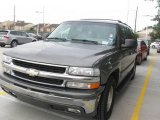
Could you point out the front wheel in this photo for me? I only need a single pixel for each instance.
(106, 102)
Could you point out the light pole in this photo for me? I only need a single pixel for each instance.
(135, 27)
(128, 5)
(39, 12)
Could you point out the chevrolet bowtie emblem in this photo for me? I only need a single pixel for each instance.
(32, 72)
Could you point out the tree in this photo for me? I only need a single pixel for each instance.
(156, 28)
(156, 32)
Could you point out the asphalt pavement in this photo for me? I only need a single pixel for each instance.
(139, 100)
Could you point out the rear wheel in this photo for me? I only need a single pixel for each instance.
(106, 103)
(153, 46)
(3, 45)
(14, 43)
(139, 59)
(146, 57)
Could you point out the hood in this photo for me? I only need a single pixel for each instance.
(60, 53)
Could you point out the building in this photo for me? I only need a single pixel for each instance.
(22, 26)
(52, 27)
(46, 28)
(0, 25)
(28, 26)
(145, 33)
(7, 25)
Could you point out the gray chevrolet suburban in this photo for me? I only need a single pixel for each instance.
(77, 69)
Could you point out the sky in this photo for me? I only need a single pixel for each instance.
(57, 11)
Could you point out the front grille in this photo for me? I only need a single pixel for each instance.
(41, 67)
(38, 80)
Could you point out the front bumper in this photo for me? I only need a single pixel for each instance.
(83, 101)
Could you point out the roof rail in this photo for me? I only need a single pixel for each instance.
(104, 19)
(110, 20)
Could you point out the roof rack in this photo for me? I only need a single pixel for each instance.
(104, 19)
(108, 19)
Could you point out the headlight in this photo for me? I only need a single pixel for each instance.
(79, 85)
(6, 59)
(84, 71)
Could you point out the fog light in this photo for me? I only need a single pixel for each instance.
(74, 110)
(7, 70)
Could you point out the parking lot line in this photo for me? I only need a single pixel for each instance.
(2, 93)
(135, 115)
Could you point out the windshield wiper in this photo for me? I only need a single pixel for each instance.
(57, 38)
(84, 40)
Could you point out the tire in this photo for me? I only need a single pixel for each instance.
(14, 43)
(133, 71)
(2, 45)
(153, 46)
(107, 100)
(146, 58)
(148, 52)
(139, 60)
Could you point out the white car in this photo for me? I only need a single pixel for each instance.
(154, 44)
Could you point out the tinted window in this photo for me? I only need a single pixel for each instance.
(3, 32)
(19, 33)
(129, 33)
(126, 33)
(123, 32)
(13, 33)
(23, 34)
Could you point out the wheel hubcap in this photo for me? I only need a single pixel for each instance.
(14, 44)
(110, 98)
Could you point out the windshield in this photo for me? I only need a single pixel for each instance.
(101, 33)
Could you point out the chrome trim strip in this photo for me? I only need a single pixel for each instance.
(32, 81)
(65, 77)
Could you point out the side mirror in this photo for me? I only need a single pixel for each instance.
(130, 43)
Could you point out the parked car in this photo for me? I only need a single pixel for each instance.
(45, 35)
(158, 48)
(77, 69)
(38, 37)
(154, 44)
(142, 52)
(148, 43)
(14, 38)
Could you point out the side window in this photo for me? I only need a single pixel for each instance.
(129, 33)
(122, 34)
(23, 34)
(19, 33)
(13, 33)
